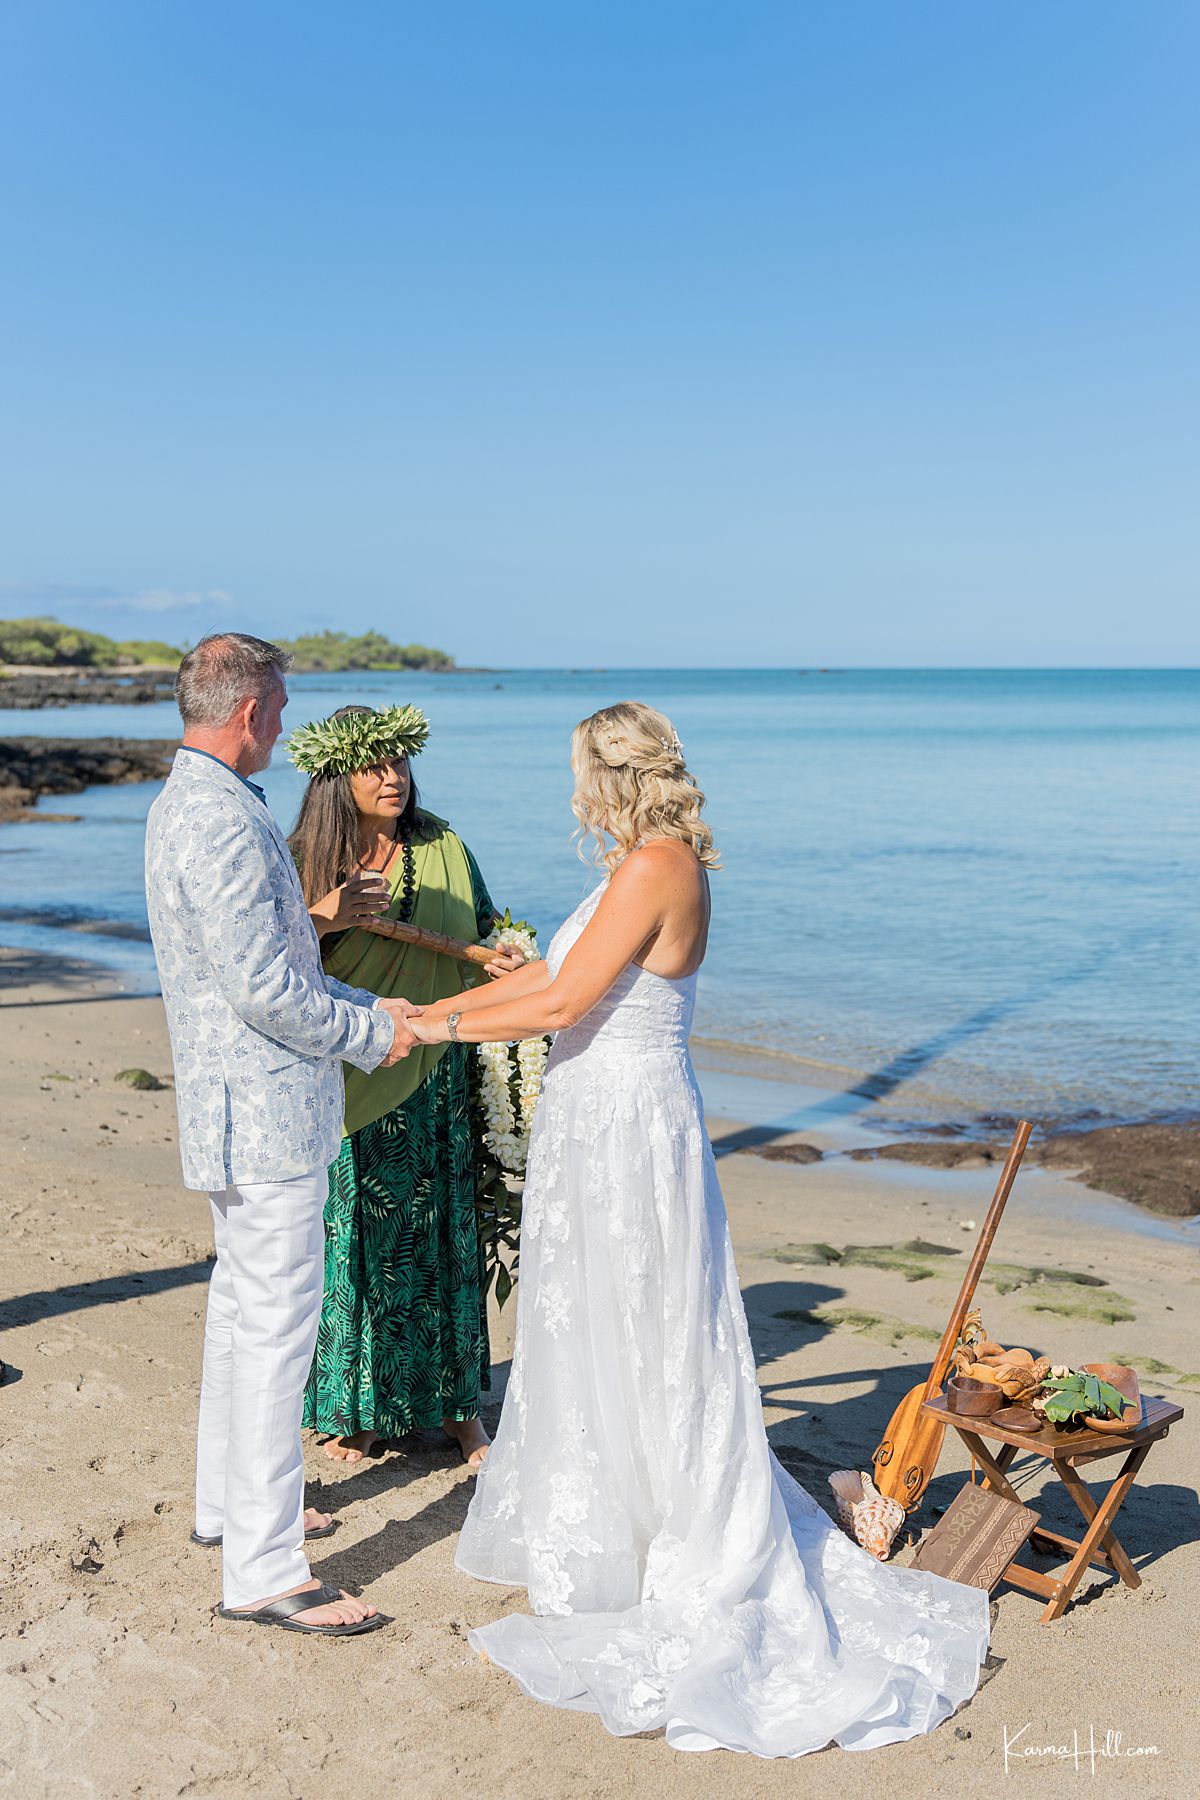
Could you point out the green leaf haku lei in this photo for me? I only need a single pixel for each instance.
(358, 740)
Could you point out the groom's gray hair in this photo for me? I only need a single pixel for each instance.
(222, 671)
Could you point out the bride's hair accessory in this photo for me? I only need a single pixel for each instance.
(632, 784)
(358, 740)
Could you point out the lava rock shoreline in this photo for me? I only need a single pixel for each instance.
(33, 766)
(59, 687)
(1153, 1162)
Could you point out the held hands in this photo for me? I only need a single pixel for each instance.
(402, 1014)
(364, 895)
(435, 1031)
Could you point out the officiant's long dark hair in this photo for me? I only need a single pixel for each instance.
(324, 840)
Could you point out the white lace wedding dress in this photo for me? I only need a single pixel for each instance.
(681, 1579)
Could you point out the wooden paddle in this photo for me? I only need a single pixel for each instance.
(907, 1455)
(430, 940)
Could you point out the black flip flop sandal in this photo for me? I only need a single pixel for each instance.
(320, 1531)
(280, 1612)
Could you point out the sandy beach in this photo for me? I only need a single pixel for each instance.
(116, 1680)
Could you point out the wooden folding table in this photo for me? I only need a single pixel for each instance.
(1065, 1451)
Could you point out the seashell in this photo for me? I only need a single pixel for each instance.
(848, 1493)
(872, 1519)
(877, 1519)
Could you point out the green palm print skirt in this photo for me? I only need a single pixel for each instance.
(403, 1337)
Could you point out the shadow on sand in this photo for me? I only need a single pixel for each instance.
(71, 976)
(78, 1296)
(820, 1434)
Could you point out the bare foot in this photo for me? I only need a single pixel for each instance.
(471, 1439)
(350, 1449)
(316, 1521)
(346, 1611)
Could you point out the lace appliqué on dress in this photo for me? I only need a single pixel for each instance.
(679, 1578)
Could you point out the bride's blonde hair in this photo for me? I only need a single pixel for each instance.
(631, 783)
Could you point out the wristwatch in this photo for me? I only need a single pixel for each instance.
(452, 1026)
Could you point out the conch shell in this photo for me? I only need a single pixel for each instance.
(870, 1518)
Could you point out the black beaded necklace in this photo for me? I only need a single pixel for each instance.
(408, 880)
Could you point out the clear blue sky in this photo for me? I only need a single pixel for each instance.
(759, 333)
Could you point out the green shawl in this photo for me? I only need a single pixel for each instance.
(444, 902)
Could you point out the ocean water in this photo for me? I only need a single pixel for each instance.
(965, 892)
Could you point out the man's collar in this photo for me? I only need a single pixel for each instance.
(193, 750)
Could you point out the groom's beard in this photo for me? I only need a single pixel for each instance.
(263, 752)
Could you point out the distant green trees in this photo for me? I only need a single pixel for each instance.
(49, 644)
(148, 650)
(331, 650)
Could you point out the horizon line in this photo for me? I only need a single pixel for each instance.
(841, 668)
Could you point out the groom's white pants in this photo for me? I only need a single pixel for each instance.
(264, 1305)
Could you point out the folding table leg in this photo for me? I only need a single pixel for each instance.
(993, 1467)
(1077, 1488)
(1099, 1543)
(1099, 1532)
(995, 1478)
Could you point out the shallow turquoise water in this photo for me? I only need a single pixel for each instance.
(975, 885)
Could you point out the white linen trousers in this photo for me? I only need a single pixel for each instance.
(264, 1305)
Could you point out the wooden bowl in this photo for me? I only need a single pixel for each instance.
(973, 1399)
(1125, 1381)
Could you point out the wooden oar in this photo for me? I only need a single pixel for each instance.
(912, 1443)
(430, 940)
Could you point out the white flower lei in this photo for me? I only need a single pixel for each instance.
(508, 1128)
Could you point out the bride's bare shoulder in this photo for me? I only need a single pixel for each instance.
(662, 861)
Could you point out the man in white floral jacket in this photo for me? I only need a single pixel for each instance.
(257, 1032)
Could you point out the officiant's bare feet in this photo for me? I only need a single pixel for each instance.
(471, 1439)
(346, 1611)
(351, 1449)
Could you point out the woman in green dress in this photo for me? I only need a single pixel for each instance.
(403, 1338)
